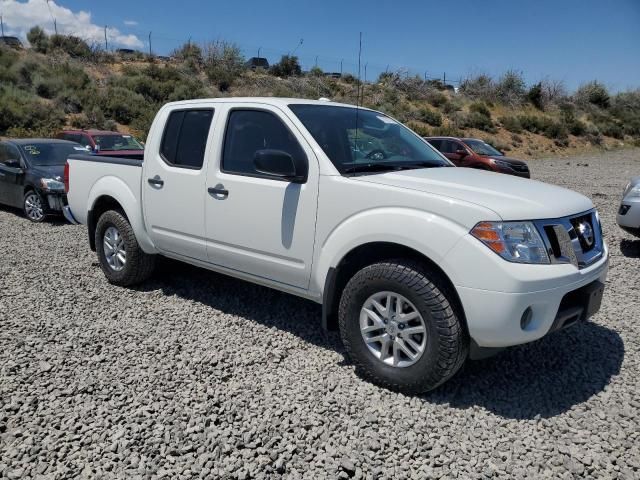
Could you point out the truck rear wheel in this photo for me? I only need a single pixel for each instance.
(121, 258)
(400, 328)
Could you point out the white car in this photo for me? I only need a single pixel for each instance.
(629, 212)
(420, 265)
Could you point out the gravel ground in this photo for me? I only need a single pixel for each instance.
(198, 375)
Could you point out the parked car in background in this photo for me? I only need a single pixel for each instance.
(629, 212)
(105, 142)
(419, 264)
(31, 175)
(474, 153)
(11, 42)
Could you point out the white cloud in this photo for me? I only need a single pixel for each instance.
(19, 17)
(130, 23)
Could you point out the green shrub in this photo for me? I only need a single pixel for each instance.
(223, 64)
(447, 131)
(480, 87)
(534, 123)
(535, 96)
(576, 127)
(436, 98)
(611, 129)
(419, 129)
(73, 46)
(287, 66)
(479, 121)
(429, 116)
(481, 108)
(38, 39)
(511, 88)
(555, 130)
(122, 105)
(594, 93)
(316, 72)
(511, 124)
(23, 110)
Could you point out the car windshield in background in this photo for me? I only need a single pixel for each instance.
(378, 144)
(117, 142)
(40, 154)
(482, 148)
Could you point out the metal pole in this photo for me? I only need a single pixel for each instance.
(341, 66)
(2, 24)
(150, 54)
(316, 64)
(444, 78)
(365, 72)
(55, 26)
(259, 48)
(106, 43)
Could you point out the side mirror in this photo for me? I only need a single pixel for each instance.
(96, 149)
(13, 163)
(279, 164)
(462, 152)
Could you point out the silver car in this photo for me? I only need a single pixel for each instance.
(629, 212)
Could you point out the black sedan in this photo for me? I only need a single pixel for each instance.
(31, 175)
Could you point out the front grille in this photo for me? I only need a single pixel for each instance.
(576, 239)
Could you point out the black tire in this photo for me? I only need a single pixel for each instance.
(29, 209)
(138, 266)
(447, 341)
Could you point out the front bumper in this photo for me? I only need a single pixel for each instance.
(66, 211)
(55, 200)
(628, 217)
(494, 317)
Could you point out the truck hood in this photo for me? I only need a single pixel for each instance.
(512, 198)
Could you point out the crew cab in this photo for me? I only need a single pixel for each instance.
(419, 264)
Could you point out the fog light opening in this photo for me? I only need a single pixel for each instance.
(526, 318)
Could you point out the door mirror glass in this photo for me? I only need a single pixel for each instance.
(12, 163)
(277, 163)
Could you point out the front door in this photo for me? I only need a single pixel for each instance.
(256, 223)
(11, 175)
(174, 183)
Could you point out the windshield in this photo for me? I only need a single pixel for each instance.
(378, 144)
(117, 142)
(41, 154)
(482, 148)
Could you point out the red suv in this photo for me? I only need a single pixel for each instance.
(474, 153)
(105, 142)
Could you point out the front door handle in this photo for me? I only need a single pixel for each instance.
(218, 191)
(156, 181)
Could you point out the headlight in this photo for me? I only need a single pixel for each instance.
(51, 184)
(501, 163)
(633, 191)
(517, 242)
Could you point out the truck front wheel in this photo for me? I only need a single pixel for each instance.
(400, 328)
(121, 258)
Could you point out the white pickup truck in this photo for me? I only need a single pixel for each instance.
(420, 264)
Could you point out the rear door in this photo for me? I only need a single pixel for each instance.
(174, 182)
(256, 223)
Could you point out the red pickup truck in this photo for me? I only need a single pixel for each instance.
(105, 142)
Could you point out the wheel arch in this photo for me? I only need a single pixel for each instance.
(367, 254)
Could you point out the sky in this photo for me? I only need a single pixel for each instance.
(574, 41)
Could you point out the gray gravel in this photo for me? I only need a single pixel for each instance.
(198, 375)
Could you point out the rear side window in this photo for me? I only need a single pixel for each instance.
(251, 130)
(185, 138)
(437, 144)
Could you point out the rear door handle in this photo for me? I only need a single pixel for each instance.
(218, 191)
(156, 181)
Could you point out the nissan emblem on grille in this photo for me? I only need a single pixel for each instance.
(586, 233)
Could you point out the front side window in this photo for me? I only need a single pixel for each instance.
(185, 138)
(359, 140)
(249, 131)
